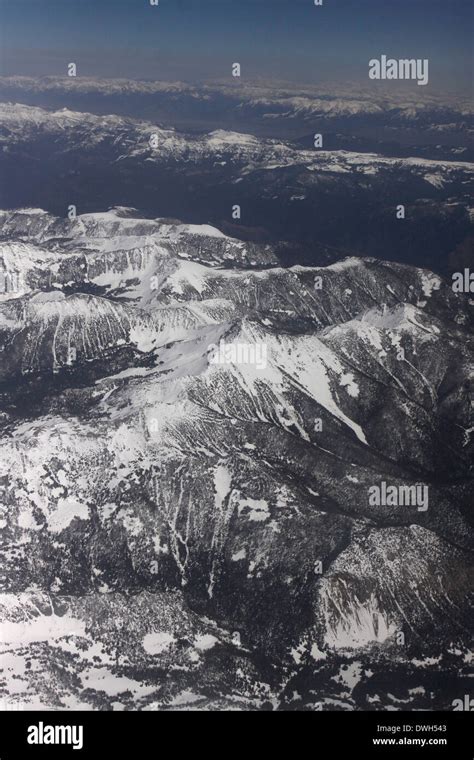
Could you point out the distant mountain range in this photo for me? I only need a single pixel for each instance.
(238, 100)
(312, 200)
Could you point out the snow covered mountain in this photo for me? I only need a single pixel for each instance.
(21, 123)
(260, 189)
(169, 506)
(240, 101)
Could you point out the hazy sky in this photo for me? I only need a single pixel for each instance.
(199, 39)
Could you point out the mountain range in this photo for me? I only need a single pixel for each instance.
(182, 533)
(304, 202)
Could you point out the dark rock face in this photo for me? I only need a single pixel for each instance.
(183, 532)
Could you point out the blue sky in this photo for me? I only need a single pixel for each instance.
(199, 39)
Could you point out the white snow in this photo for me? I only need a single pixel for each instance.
(157, 643)
(67, 511)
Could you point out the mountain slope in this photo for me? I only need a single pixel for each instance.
(187, 422)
